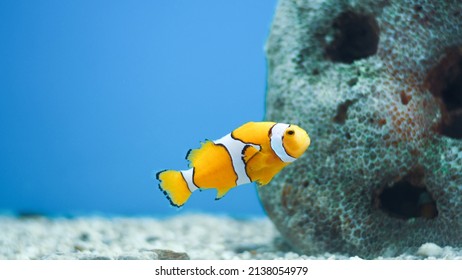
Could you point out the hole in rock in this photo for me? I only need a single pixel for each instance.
(404, 200)
(445, 83)
(342, 111)
(405, 98)
(356, 36)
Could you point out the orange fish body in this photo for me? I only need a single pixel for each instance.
(254, 152)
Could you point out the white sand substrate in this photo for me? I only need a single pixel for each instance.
(200, 236)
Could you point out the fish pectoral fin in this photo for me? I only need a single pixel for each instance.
(266, 175)
(263, 182)
(257, 162)
(249, 152)
(221, 193)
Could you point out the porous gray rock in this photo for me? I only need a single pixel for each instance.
(378, 86)
(170, 255)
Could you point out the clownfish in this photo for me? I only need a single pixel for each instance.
(254, 152)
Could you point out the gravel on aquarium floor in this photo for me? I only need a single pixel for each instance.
(186, 236)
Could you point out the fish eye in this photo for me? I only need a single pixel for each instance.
(290, 132)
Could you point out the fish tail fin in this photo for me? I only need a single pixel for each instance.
(174, 186)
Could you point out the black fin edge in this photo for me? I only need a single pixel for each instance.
(168, 197)
(158, 173)
(164, 191)
(187, 154)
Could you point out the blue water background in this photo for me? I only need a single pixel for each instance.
(95, 96)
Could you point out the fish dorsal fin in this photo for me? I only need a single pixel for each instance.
(249, 152)
(193, 154)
